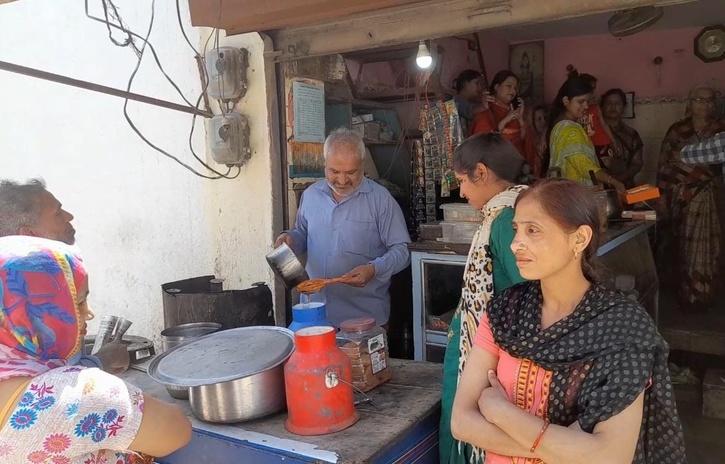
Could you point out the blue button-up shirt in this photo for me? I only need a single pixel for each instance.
(366, 227)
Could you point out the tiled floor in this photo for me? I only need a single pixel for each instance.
(704, 437)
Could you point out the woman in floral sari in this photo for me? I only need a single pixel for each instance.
(52, 410)
(691, 234)
(486, 166)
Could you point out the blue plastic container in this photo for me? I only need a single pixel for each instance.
(308, 315)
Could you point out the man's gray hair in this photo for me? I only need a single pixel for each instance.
(18, 206)
(344, 136)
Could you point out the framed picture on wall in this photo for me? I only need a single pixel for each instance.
(527, 61)
(629, 106)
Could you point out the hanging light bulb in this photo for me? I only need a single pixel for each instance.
(423, 59)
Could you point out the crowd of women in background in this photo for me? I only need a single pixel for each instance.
(579, 136)
(583, 138)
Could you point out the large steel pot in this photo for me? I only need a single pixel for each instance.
(243, 399)
(178, 334)
(233, 375)
(285, 264)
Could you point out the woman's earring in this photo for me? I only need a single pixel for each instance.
(576, 254)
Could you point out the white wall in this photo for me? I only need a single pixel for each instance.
(653, 118)
(142, 220)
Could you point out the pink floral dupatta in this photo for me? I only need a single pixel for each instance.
(39, 321)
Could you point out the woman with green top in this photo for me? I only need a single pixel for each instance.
(572, 154)
(486, 166)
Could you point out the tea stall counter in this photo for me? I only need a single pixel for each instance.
(437, 270)
(400, 426)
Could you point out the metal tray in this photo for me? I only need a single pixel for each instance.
(139, 348)
(223, 356)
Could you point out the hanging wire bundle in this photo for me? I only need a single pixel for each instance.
(114, 22)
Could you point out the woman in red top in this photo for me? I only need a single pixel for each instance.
(505, 112)
(593, 121)
(536, 143)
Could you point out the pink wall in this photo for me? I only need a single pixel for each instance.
(495, 52)
(627, 63)
(456, 57)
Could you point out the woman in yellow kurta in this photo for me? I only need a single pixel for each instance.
(572, 153)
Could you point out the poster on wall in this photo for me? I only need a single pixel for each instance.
(308, 103)
(526, 60)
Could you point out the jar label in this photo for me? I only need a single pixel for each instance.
(378, 361)
(140, 354)
(376, 343)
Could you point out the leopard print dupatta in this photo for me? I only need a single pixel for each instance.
(477, 288)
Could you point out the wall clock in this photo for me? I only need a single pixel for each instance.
(710, 44)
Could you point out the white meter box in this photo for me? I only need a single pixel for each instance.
(226, 68)
(228, 137)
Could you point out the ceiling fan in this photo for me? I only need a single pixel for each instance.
(634, 20)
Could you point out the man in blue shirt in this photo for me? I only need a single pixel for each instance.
(350, 226)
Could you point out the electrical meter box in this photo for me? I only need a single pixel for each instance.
(228, 138)
(226, 68)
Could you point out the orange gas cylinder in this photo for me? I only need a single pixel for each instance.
(318, 382)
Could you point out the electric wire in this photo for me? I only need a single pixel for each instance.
(146, 42)
(130, 42)
(138, 132)
(117, 17)
(183, 31)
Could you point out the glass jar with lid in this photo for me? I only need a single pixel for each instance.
(366, 345)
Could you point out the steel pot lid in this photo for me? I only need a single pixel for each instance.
(223, 356)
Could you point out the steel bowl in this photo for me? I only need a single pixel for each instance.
(242, 399)
(287, 266)
(178, 334)
(609, 205)
(614, 204)
(233, 375)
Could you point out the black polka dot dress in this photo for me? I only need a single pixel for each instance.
(602, 356)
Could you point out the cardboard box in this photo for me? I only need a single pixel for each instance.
(647, 215)
(642, 193)
(361, 118)
(369, 131)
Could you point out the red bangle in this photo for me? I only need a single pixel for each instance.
(539, 437)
